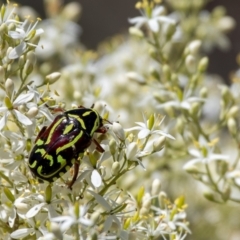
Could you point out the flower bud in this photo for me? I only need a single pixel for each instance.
(226, 94)
(3, 29)
(52, 78)
(210, 196)
(232, 126)
(28, 145)
(156, 187)
(162, 197)
(190, 168)
(150, 121)
(136, 77)
(21, 62)
(194, 110)
(171, 29)
(147, 202)
(203, 92)
(9, 194)
(118, 130)
(144, 211)
(48, 194)
(127, 223)
(136, 32)
(8, 103)
(31, 56)
(131, 151)
(166, 70)
(226, 193)
(32, 112)
(28, 67)
(76, 209)
(2, 73)
(203, 64)
(140, 194)
(158, 144)
(190, 63)
(112, 146)
(232, 113)
(222, 167)
(72, 11)
(225, 24)
(9, 86)
(115, 168)
(194, 47)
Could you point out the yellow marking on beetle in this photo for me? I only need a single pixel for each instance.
(70, 144)
(52, 131)
(39, 142)
(33, 165)
(39, 170)
(87, 113)
(50, 158)
(61, 160)
(45, 155)
(68, 129)
(79, 119)
(41, 150)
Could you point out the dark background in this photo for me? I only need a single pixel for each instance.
(104, 18)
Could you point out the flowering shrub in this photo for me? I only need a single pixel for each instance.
(157, 76)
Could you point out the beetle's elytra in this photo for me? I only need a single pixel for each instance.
(59, 146)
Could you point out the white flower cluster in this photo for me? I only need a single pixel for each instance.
(95, 207)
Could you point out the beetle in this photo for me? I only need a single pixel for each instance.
(61, 144)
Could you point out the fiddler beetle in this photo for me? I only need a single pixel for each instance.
(61, 145)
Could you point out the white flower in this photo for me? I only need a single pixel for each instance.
(7, 15)
(66, 222)
(134, 154)
(153, 21)
(24, 32)
(36, 226)
(49, 206)
(21, 99)
(204, 154)
(145, 130)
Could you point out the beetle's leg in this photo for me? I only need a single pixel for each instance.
(40, 133)
(98, 146)
(75, 174)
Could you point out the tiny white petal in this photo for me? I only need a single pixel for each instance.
(22, 118)
(131, 151)
(101, 200)
(67, 224)
(143, 133)
(108, 223)
(35, 210)
(3, 121)
(23, 98)
(12, 217)
(21, 233)
(96, 178)
(154, 25)
(17, 51)
(85, 222)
